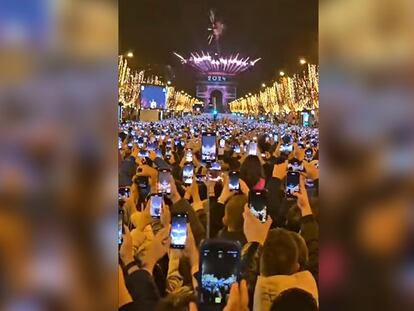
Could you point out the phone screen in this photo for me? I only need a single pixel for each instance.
(309, 154)
(156, 205)
(258, 204)
(292, 183)
(237, 148)
(253, 148)
(164, 177)
(189, 155)
(143, 153)
(222, 143)
(295, 166)
(219, 267)
(123, 193)
(208, 147)
(120, 225)
(234, 183)
(158, 152)
(188, 173)
(286, 148)
(178, 232)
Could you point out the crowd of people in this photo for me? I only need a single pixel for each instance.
(250, 236)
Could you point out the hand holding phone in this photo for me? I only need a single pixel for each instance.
(219, 268)
(178, 233)
(156, 202)
(234, 181)
(258, 204)
(164, 178)
(292, 184)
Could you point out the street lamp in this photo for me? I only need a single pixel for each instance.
(281, 73)
(182, 92)
(250, 94)
(302, 61)
(263, 85)
(169, 82)
(130, 54)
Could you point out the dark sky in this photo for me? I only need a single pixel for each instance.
(279, 31)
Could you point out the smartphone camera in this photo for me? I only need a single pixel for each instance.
(258, 204)
(178, 233)
(188, 173)
(252, 148)
(219, 268)
(292, 184)
(124, 193)
(164, 178)
(208, 147)
(234, 182)
(156, 205)
(188, 155)
(120, 226)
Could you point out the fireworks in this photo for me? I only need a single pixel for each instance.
(285, 95)
(216, 29)
(206, 63)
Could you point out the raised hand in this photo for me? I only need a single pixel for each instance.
(254, 230)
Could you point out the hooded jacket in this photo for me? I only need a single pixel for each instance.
(268, 288)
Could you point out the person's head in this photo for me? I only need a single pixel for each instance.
(293, 218)
(303, 252)
(294, 299)
(280, 254)
(251, 171)
(233, 213)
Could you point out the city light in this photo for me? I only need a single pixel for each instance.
(130, 54)
(302, 61)
(263, 85)
(169, 82)
(281, 73)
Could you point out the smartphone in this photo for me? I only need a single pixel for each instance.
(208, 147)
(258, 204)
(120, 225)
(164, 178)
(200, 178)
(156, 205)
(143, 153)
(222, 143)
(295, 165)
(237, 149)
(309, 154)
(286, 148)
(158, 152)
(252, 148)
(234, 182)
(188, 173)
(189, 155)
(292, 184)
(214, 173)
(178, 233)
(219, 268)
(123, 193)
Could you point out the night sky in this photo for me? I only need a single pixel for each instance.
(279, 31)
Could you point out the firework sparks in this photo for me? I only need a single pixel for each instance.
(206, 63)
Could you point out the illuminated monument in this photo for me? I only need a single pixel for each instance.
(216, 84)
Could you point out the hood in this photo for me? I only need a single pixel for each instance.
(268, 288)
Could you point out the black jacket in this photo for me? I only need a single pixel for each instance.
(143, 291)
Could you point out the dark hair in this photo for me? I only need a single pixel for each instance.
(303, 252)
(280, 253)
(234, 210)
(293, 218)
(294, 299)
(251, 171)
